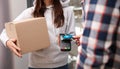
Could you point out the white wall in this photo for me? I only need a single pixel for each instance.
(5, 54)
(16, 7)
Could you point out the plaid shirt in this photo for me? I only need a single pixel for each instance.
(100, 41)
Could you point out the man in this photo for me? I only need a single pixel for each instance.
(100, 42)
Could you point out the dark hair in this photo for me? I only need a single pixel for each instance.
(40, 9)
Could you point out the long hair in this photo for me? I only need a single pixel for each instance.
(40, 9)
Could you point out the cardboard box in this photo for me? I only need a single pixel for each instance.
(31, 34)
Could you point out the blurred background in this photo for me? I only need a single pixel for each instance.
(10, 9)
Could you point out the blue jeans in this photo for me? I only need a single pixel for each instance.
(62, 67)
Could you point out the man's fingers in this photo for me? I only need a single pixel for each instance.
(76, 37)
(78, 43)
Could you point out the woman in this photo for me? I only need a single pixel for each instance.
(60, 19)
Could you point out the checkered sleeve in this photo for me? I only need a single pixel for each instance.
(101, 35)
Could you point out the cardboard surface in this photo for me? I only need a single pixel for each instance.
(31, 34)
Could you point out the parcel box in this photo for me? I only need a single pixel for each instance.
(31, 34)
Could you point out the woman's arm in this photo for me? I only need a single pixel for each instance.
(4, 37)
(11, 43)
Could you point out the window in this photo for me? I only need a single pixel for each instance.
(76, 4)
(77, 9)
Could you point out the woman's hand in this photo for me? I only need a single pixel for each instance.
(77, 39)
(58, 40)
(11, 44)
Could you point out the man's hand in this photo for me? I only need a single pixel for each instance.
(77, 39)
